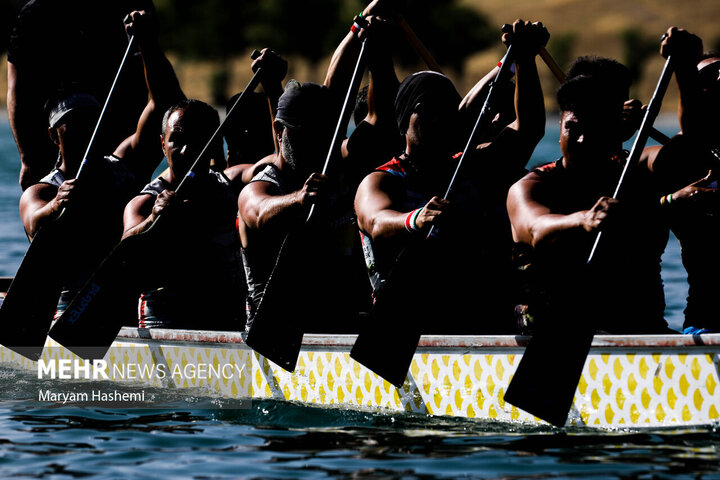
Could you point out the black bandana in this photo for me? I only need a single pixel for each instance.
(423, 87)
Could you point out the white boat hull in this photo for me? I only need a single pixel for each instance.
(627, 381)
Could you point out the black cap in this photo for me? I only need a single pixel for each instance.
(304, 104)
(423, 87)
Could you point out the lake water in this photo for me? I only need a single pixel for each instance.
(189, 437)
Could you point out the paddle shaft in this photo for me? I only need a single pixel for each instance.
(504, 68)
(347, 109)
(642, 136)
(251, 86)
(552, 65)
(276, 143)
(107, 102)
(417, 45)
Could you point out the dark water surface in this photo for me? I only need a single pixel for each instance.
(196, 437)
(281, 440)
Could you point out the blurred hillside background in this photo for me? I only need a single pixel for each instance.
(209, 41)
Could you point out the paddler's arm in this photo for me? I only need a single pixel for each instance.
(472, 103)
(261, 207)
(675, 169)
(676, 185)
(42, 203)
(275, 68)
(142, 151)
(535, 224)
(25, 89)
(240, 175)
(342, 63)
(685, 50)
(142, 211)
(28, 124)
(383, 82)
(379, 217)
(518, 140)
(382, 89)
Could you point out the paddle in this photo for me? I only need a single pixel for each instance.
(94, 317)
(423, 52)
(31, 301)
(273, 333)
(547, 376)
(390, 356)
(417, 45)
(505, 66)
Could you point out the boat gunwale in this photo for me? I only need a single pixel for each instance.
(426, 341)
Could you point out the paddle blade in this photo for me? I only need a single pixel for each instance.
(105, 304)
(275, 332)
(31, 301)
(388, 356)
(279, 342)
(388, 341)
(547, 377)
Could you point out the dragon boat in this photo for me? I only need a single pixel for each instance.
(628, 381)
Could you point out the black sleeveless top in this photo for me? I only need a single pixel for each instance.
(621, 290)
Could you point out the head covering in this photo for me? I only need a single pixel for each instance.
(586, 93)
(423, 87)
(613, 75)
(76, 101)
(304, 104)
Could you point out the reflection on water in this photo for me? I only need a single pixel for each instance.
(188, 436)
(273, 440)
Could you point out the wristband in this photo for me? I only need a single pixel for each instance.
(413, 225)
(410, 224)
(358, 23)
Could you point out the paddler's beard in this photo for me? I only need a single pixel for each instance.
(288, 154)
(302, 158)
(298, 172)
